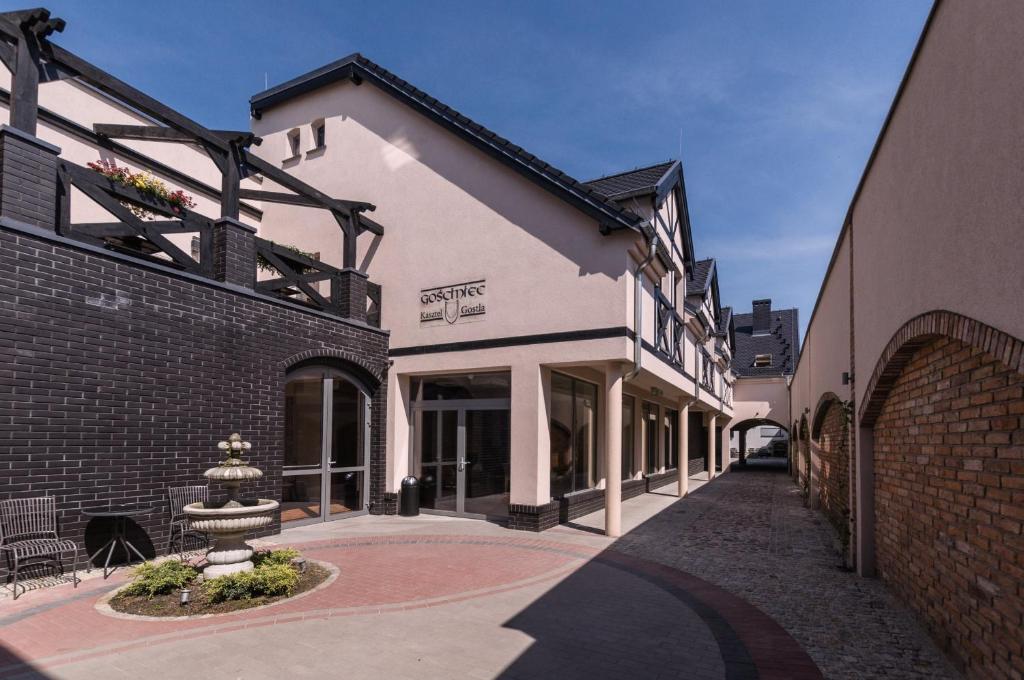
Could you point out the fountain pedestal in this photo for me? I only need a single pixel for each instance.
(229, 523)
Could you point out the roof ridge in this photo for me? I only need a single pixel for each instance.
(670, 161)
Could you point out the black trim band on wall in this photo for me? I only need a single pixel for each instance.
(514, 341)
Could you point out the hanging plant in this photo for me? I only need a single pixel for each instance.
(146, 184)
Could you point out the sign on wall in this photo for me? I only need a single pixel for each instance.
(456, 303)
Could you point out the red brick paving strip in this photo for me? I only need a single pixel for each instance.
(65, 627)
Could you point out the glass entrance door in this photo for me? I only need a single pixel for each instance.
(463, 458)
(439, 453)
(462, 443)
(487, 443)
(326, 447)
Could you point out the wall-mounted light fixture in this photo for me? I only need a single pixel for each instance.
(846, 377)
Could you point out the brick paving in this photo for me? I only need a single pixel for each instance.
(443, 598)
(749, 533)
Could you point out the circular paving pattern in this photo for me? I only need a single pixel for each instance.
(429, 606)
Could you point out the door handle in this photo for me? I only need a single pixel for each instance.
(462, 464)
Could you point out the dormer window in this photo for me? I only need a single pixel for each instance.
(763, 361)
(319, 134)
(294, 143)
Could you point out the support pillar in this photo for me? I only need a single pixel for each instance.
(613, 451)
(743, 446)
(683, 464)
(28, 178)
(726, 456)
(711, 445)
(530, 504)
(348, 294)
(234, 252)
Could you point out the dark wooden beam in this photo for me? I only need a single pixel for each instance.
(298, 186)
(230, 180)
(25, 81)
(122, 229)
(365, 223)
(156, 133)
(8, 55)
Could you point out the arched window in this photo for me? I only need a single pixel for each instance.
(326, 445)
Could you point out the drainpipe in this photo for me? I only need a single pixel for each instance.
(638, 306)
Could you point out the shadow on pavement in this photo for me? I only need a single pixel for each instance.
(620, 616)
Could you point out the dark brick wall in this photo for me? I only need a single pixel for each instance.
(533, 517)
(696, 466)
(949, 501)
(117, 380)
(28, 178)
(662, 479)
(234, 250)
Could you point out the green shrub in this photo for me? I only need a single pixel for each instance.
(283, 556)
(266, 580)
(160, 579)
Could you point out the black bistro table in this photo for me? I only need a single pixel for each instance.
(120, 514)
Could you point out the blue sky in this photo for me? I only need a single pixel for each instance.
(775, 105)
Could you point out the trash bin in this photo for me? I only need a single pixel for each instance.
(409, 504)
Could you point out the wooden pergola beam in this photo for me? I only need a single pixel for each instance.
(156, 133)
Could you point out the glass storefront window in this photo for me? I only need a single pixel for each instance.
(628, 462)
(671, 439)
(573, 432)
(651, 437)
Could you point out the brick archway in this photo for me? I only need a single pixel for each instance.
(918, 332)
(944, 420)
(830, 438)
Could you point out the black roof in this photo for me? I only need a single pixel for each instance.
(631, 183)
(357, 68)
(701, 277)
(782, 342)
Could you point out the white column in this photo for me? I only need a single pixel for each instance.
(531, 444)
(397, 459)
(683, 464)
(711, 445)
(613, 451)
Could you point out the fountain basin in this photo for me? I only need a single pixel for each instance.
(228, 525)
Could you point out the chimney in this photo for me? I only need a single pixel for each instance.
(762, 316)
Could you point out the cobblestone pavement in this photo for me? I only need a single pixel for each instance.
(749, 533)
(433, 597)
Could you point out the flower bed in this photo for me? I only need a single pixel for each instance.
(156, 588)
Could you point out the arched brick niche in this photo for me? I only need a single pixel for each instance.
(947, 409)
(830, 434)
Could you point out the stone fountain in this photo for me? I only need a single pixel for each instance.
(228, 523)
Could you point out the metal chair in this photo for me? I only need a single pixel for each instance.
(28, 535)
(177, 498)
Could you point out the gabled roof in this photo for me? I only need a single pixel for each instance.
(358, 69)
(701, 277)
(782, 342)
(638, 182)
(724, 321)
